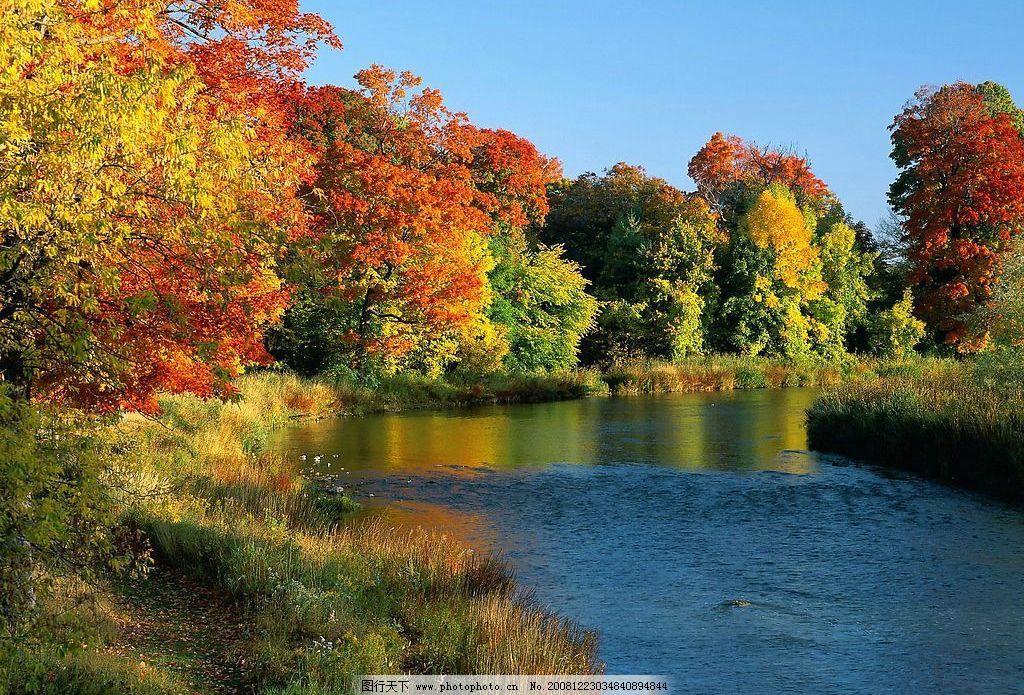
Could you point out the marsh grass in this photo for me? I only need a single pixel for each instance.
(412, 391)
(938, 418)
(724, 373)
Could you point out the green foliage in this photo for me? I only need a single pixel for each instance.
(650, 251)
(55, 513)
(1002, 363)
(895, 332)
(598, 218)
(998, 100)
(540, 300)
(749, 321)
(311, 337)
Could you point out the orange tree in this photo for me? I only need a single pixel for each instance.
(395, 268)
(147, 184)
(407, 205)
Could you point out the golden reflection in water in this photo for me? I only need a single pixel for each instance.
(719, 431)
(464, 528)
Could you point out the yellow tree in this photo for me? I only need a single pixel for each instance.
(776, 223)
(775, 270)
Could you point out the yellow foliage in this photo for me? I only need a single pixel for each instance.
(775, 222)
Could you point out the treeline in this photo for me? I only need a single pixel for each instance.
(762, 259)
(178, 205)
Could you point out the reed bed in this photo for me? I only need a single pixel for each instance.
(724, 373)
(935, 418)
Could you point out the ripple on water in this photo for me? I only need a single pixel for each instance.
(701, 539)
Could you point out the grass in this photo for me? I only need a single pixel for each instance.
(412, 391)
(725, 373)
(933, 417)
(321, 600)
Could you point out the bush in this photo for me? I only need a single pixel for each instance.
(894, 333)
(54, 511)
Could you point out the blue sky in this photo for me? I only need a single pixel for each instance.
(594, 83)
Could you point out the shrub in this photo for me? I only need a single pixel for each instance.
(894, 333)
(54, 510)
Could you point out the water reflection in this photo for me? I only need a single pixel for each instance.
(722, 431)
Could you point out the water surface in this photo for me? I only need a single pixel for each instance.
(697, 534)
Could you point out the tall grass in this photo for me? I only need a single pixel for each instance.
(724, 373)
(411, 391)
(324, 600)
(935, 418)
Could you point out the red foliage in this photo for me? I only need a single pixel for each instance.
(189, 307)
(962, 196)
(511, 170)
(724, 160)
(397, 207)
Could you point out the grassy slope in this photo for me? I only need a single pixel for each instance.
(321, 603)
(933, 418)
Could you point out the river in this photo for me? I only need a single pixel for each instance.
(701, 539)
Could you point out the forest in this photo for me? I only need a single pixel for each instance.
(198, 246)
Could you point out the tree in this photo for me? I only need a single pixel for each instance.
(772, 271)
(398, 258)
(649, 250)
(845, 270)
(960, 195)
(726, 163)
(141, 210)
(541, 302)
(590, 216)
(895, 332)
(675, 267)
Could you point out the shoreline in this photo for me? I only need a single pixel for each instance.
(942, 425)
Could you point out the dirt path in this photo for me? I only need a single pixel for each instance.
(172, 623)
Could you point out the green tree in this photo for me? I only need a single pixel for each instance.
(649, 250)
(540, 299)
(845, 271)
(895, 332)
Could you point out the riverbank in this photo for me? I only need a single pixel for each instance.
(320, 602)
(202, 497)
(712, 373)
(727, 373)
(937, 419)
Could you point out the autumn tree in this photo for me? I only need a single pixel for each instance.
(960, 196)
(793, 273)
(142, 203)
(726, 166)
(649, 249)
(772, 271)
(396, 268)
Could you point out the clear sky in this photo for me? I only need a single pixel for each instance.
(596, 82)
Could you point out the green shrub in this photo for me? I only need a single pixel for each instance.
(55, 514)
